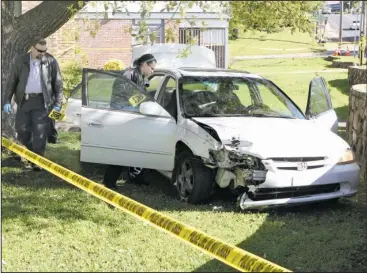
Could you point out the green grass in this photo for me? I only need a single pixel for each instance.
(284, 42)
(49, 225)
(296, 85)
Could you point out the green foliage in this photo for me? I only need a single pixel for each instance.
(114, 65)
(71, 72)
(273, 16)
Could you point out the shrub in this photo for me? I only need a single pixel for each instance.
(71, 72)
(114, 65)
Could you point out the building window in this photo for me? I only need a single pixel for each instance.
(186, 34)
(155, 27)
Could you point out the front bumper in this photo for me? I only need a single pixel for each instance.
(346, 176)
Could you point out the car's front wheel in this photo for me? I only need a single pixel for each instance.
(194, 181)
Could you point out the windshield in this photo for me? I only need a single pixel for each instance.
(234, 96)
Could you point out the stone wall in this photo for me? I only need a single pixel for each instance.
(357, 125)
(357, 75)
(342, 64)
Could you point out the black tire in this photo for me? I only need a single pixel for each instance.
(201, 181)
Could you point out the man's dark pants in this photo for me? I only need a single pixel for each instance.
(32, 124)
(52, 135)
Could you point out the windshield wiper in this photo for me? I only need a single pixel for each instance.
(205, 116)
(271, 116)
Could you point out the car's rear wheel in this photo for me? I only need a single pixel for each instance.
(194, 181)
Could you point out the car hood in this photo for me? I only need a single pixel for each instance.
(276, 137)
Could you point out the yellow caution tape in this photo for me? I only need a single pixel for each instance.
(137, 99)
(228, 254)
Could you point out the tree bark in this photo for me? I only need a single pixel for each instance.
(18, 34)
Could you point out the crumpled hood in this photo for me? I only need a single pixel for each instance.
(277, 137)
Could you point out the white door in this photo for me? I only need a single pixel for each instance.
(319, 106)
(114, 131)
(74, 105)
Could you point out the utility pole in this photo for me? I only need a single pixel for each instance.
(365, 17)
(341, 25)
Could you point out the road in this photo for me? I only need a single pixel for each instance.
(332, 29)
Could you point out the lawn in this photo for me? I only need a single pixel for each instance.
(284, 42)
(294, 75)
(49, 225)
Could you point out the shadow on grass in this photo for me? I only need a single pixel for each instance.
(341, 85)
(342, 112)
(275, 40)
(320, 236)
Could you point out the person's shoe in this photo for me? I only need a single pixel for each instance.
(20, 159)
(52, 140)
(36, 168)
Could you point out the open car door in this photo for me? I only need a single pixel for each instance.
(122, 125)
(74, 105)
(319, 106)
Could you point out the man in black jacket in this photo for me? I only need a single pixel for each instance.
(36, 84)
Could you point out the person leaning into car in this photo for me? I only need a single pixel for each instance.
(143, 67)
(36, 84)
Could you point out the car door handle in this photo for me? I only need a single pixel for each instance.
(77, 114)
(95, 124)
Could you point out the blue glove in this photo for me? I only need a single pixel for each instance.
(57, 108)
(7, 108)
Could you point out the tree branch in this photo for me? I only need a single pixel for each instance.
(46, 18)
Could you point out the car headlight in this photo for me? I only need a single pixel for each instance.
(347, 158)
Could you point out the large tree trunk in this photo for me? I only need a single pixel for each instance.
(18, 34)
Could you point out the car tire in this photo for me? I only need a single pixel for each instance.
(193, 180)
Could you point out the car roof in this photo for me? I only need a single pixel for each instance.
(209, 72)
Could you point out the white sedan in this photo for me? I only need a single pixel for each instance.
(206, 128)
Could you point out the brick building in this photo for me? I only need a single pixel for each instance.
(112, 39)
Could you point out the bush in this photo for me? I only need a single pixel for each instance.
(114, 65)
(71, 72)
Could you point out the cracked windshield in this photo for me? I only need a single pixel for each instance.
(234, 96)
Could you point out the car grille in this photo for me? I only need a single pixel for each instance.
(290, 163)
(288, 192)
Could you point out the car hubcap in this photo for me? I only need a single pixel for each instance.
(185, 179)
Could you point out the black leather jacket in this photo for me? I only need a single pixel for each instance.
(51, 81)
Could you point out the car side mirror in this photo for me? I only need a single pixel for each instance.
(151, 108)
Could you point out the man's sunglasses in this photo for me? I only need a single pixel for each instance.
(40, 51)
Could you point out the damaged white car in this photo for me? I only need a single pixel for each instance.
(206, 128)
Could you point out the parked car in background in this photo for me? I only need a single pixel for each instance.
(355, 25)
(326, 10)
(204, 128)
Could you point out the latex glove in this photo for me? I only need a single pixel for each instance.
(57, 108)
(7, 108)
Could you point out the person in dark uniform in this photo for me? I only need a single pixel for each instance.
(142, 67)
(36, 84)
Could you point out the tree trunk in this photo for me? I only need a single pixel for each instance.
(18, 34)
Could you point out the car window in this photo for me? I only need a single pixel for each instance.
(243, 93)
(272, 100)
(318, 101)
(76, 93)
(234, 96)
(154, 83)
(167, 96)
(110, 91)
